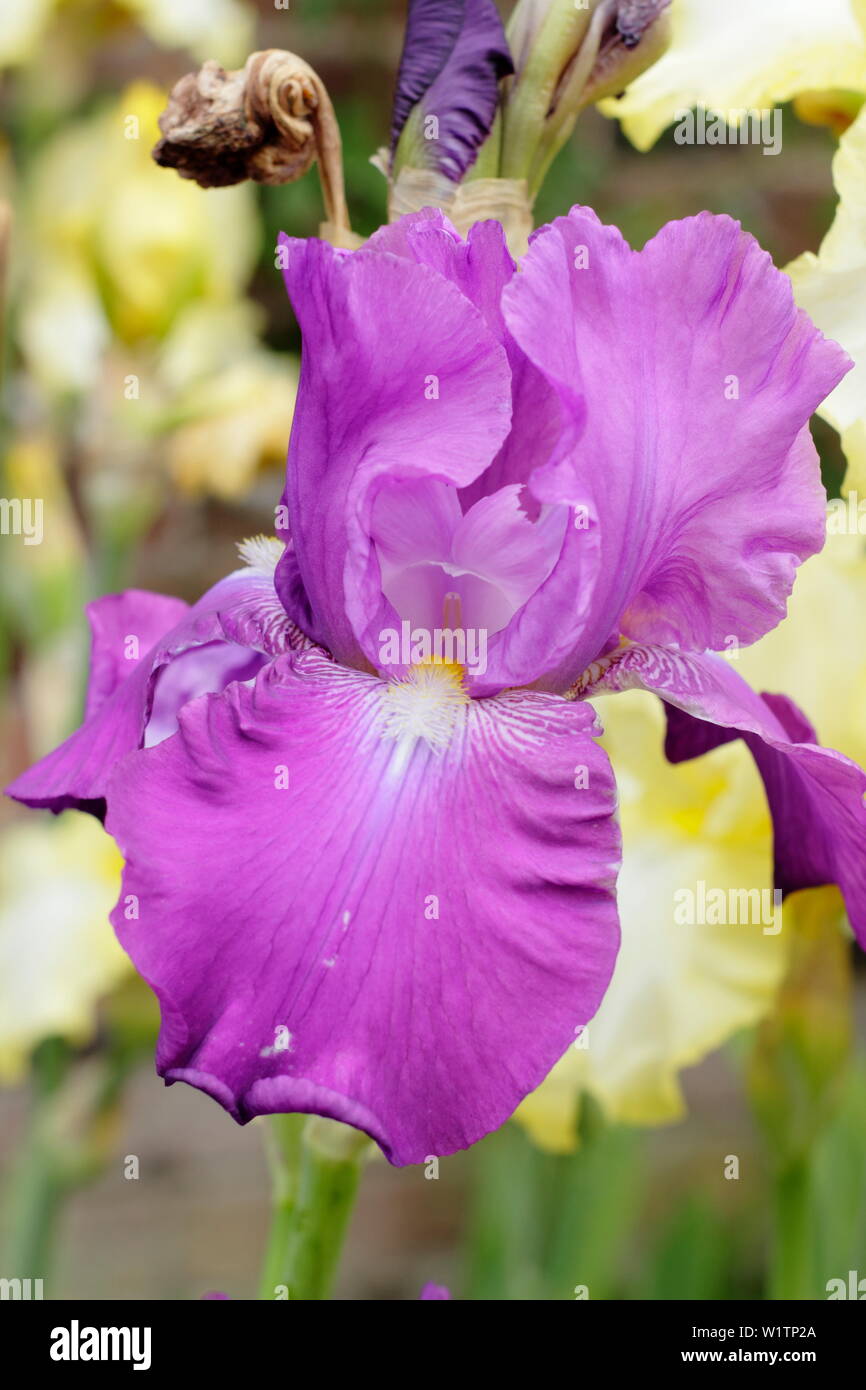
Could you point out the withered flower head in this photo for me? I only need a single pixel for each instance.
(268, 121)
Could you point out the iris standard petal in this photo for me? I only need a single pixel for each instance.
(367, 442)
(688, 376)
(406, 934)
(441, 568)
(400, 379)
(481, 267)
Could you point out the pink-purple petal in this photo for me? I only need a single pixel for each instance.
(137, 637)
(815, 795)
(481, 267)
(399, 938)
(686, 377)
(124, 627)
(400, 379)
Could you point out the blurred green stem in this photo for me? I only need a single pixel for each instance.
(543, 1226)
(791, 1261)
(315, 1169)
(35, 1200)
(69, 1141)
(37, 1188)
(795, 1078)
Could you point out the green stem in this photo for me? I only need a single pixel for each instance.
(35, 1202)
(316, 1167)
(282, 1137)
(531, 94)
(486, 165)
(791, 1262)
(37, 1188)
(560, 122)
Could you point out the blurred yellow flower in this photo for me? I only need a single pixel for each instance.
(831, 287)
(742, 56)
(229, 400)
(818, 655)
(745, 54)
(242, 418)
(59, 879)
(132, 285)
(679, 991)
(21, 26)
(116, 246)
(31, 468)
(43, 589)
(221, 29)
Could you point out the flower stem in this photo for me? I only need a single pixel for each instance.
(791, 1260)
(282, 1137)
(37, 1187)
(35, 1202)
(531, 92)
(486, 165)
(316, 1168)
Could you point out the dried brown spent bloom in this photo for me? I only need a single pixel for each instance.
(268, 121)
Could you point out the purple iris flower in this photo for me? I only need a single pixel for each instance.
(434, 1292)
(366, 875)
(454, 56)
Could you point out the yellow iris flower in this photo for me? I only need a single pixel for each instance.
(221, 29)
(742, 55)
(680, 990)
(239, 422)
(115, 247)
(131, 282)
(831, 287)
(59, 879)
